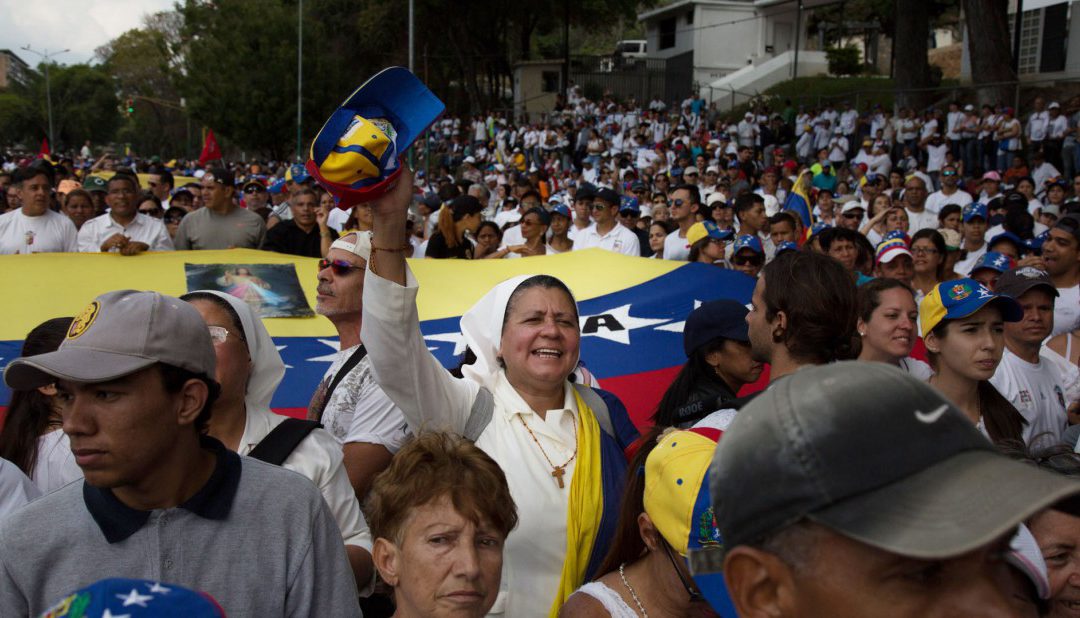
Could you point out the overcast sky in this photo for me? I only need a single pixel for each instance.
(79, 25)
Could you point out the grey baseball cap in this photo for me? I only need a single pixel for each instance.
(875, 455)
(1015, 283)
(118, 334)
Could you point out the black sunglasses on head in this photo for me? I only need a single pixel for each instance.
(340, 267)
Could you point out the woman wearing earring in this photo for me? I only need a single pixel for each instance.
(887, 326)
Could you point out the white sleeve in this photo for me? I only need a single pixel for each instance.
(87, 238)
(376, 420)
(633, 246)
(70, 235)
(426, 393)
(15, 489)
(162, 241)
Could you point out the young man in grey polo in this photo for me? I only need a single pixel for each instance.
(160, 499)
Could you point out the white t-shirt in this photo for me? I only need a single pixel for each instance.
(1037, 391)
(512, 236)
(916, 368)
(337, 218)
(15, 489)
(676, 247)
(51, 232)
(359, 410)
(1067, 310)
(963, 267)
(507, 216)
(143, 228)
(619, 239)
(936, 200)
(921, 220)
(998, 229)
(54, 465)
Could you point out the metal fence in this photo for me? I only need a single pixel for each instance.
(641, 78)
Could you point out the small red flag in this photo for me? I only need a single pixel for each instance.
(210, 149)
(44, 152)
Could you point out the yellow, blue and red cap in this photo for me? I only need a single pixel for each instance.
(678, 501)
(952, 300)
(357, 154)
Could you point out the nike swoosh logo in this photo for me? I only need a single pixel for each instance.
(931, 417)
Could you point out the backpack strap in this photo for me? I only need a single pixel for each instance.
(351, 362)
(483, 409)
(276, 447)
(598, 406)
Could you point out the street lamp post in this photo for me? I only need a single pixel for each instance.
(45, 56)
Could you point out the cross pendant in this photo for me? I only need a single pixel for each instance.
(558, 474)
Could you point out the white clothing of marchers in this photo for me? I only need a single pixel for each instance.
(619, 240)
(1037, 391)
(55, 464)
(143, 228)
(15, 489)
(51, 232)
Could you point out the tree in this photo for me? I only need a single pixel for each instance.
(911, 44)
(989, 49)
(84, 105)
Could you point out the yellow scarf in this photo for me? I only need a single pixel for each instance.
(586, 506)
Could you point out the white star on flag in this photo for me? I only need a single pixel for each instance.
(280, 348)
(134, 598)
(677, 327)
(455, 338)
(158, 588)
(622, 316)
(329, 358)
(109, 614)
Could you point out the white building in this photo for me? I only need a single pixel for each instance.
(1046, 49)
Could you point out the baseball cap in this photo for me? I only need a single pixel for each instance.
(1054, 105)
(745, 241)
(713, 320)
(875, 455)
(66, 186)
(637, 185)
(786, 245)
(629, 204)
(996, 177)
(254, 181)
(706, 229)
(608, 195)
(1014, 283)
(297, 173)
(952, 300)
(972, 210)
(585, 192)
(1021, 245)
(112, 597)
(181, 189)
(561, 209)
(852, 205)
(952, 239)
(220, 175)
(691, 170)
(890, 250)
(994, 261)
(117, 334)
(356, 154)
(470, 159)
(715, 198)
(678, 501)
(360, 247)
(676, 171)
(95, 183)
(276, 187)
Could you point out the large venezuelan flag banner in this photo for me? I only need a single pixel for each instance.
(632, 309)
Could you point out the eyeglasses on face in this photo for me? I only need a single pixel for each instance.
(744, 260)
(252, 189)
(220, 334)
(924, 251)
(340, 267)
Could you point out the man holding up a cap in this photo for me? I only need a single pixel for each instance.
(348, 401)
(1032, 381)
(221, 224)
(883, 500)
(160, 498)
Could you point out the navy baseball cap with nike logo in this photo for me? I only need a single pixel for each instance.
(873, 454)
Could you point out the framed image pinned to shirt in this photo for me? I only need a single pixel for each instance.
(271, 290)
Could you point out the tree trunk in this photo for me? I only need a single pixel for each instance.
(989, 49)
(911, 46)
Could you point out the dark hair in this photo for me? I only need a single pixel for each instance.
(33, 171)
(1001, 419)
(664, 224)
(125, 177)
(745, 202)
(147, 196)
(695, 193)
(304, 191)
(626, 544)
(30, 413)
(83, 193)
(173, 379)
(538, 281)
(1055, 457)
(695, 373)
(492, 225)
(543, 215)
(938, 241)
(817, 295)
(948, 209)
(456, 210)
(783, 217)
(165, 176)
(531, 193)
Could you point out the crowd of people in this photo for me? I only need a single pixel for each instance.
(916, 299)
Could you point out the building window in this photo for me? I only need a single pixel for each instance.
(667, 33)
(1030, 39)
(690, 18)
(550, 80)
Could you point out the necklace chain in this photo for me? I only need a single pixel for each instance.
(557, 471)
(633, 594)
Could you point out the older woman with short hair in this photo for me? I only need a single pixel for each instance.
(440, 515)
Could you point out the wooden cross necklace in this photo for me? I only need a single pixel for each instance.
(556, 471)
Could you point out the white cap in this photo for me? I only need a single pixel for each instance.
(361, 247)
(852, 205)
(1055, 105)
(712, 169)
(715, 197)
(470, 159)
(691, 170)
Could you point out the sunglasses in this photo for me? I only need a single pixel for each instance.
(252, 189)
(852, 215)
(948, 173)
(744, 260)
(340, 267)
(678, 202)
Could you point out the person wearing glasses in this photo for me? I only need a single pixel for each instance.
(306, 233)
(256, 197)
(348, 401)
(249, 370)
(123, 229)
(660, 520)
(747, 255)
(220, 223)
(928, 261)
(161, 184)
(950, 192)
(606, 233)
(682, 211)
(173, 216)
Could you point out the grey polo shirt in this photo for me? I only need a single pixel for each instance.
(205, 229)
(258, 538)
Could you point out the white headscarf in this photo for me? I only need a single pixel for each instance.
(267, 368)
(482, 327)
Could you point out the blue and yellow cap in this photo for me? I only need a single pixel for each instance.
(745, 241)
(960, 298)
(356, 155)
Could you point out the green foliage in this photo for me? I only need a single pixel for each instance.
(843, 60)
(84, 106)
